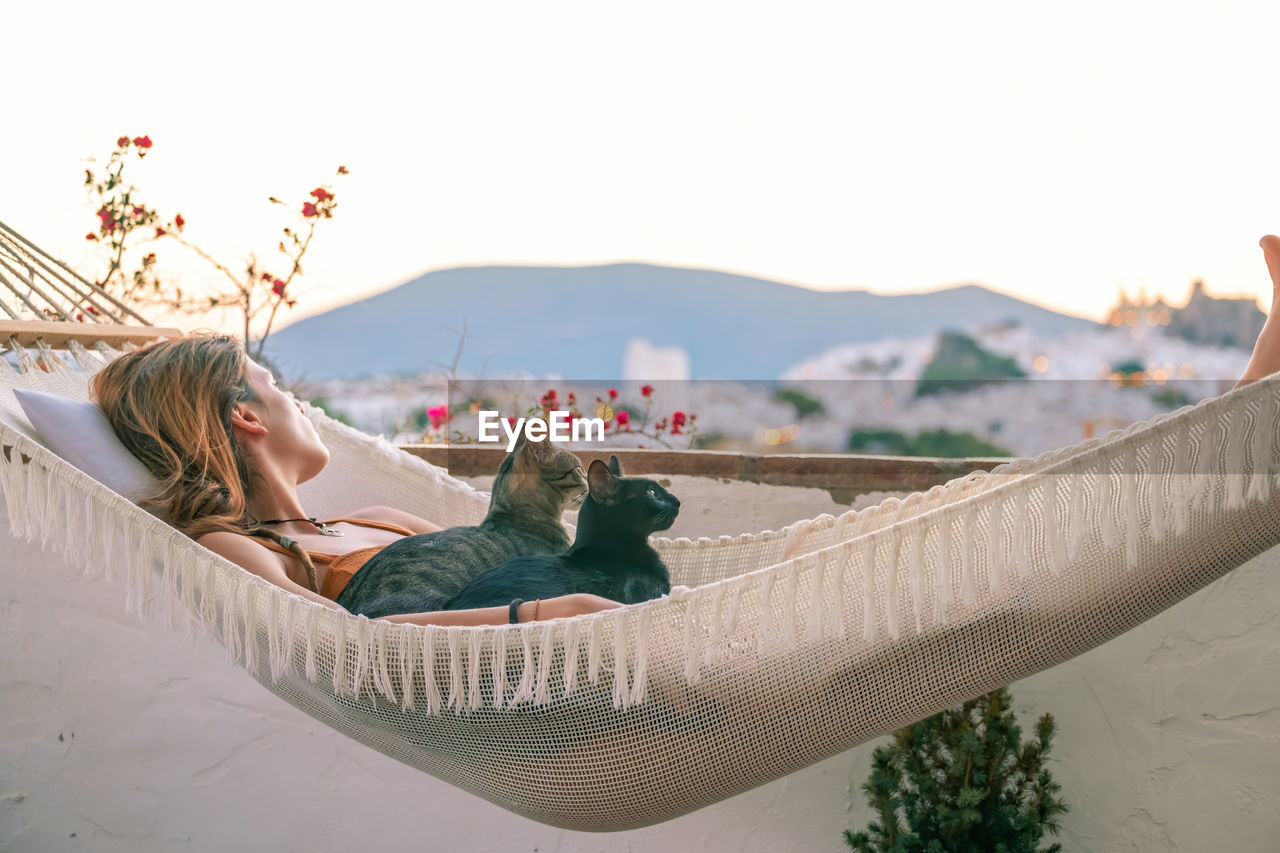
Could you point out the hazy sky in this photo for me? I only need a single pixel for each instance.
(1057, 152)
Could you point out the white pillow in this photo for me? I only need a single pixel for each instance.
(81, 434)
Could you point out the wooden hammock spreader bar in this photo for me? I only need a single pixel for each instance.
(57, 333)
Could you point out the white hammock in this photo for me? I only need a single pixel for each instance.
(778, 649)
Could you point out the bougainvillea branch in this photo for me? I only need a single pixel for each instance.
(125, 222)
(435, 420)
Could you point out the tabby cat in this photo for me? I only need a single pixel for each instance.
(536, 482)
(610, 557)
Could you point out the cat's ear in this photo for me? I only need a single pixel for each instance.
(615, 466)
(601, 483)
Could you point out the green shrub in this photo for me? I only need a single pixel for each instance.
(800, 401)
(963, 782)
(960, 364)
(930, 442)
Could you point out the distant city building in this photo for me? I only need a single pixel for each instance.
(643, 362)
(1205, 319)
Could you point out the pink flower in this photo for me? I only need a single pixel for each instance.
(613, 392)
(622, 417)
(437, 415)
(646, 390)
(160, 232)
(142, 141)
(309, 210)
(321, 194)
(512, 421)
(104, 215)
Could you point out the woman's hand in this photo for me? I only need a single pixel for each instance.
(564, 606)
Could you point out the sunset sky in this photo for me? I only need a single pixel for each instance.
(1055, 153)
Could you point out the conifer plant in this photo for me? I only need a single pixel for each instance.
(963, 781)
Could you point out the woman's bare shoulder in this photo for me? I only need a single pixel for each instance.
(251, 556)
(391, 515)
(243, 551)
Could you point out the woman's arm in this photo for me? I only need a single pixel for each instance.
(549, 608)
(1266, 352)
(391, 515)
(266, 564)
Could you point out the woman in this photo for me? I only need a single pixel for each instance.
(230, 449)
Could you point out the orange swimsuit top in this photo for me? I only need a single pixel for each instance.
(342, 567)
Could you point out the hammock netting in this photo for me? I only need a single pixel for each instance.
(775, 649)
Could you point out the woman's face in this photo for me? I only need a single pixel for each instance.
(290, 442)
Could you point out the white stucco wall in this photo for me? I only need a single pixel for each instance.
(119, 735)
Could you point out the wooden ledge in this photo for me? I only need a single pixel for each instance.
(57, 334)
(843, 475)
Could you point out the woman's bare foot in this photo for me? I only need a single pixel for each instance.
(1266, 352)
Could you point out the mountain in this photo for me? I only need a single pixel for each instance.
(576, 321)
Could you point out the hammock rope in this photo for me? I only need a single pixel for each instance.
(775, 649)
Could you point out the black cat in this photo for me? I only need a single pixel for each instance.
(536, 482)
(610, 557)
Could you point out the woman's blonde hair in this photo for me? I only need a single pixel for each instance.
(170, 403)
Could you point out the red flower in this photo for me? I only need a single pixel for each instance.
(91, 309)
(551, 394)
(104, 215)
(142, 141)
(80, 318)
(149, 259)
(613, 392)
(139, 211)
(342, 170)
(278, 288)
(179, 222)
(572, 398)
(160, 232)
(309, 210)
(266, 276)
(122, 142)
(677, 418)
(510, 420)
(622, 417)
(646, 390)
(91, 236)
(437, 415)
(321, 194)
